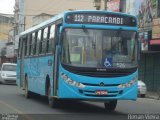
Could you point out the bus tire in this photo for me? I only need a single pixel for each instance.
(53, 102)
(28, 94)
(110, 105)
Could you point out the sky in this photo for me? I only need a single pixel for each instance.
(6, 6)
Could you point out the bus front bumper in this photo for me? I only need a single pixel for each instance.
(90, 93)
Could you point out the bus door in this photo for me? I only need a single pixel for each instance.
(56, 58)
(22, 80)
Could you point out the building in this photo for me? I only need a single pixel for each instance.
(5, 25)
(6, 35)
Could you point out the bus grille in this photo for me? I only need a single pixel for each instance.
(105, 85)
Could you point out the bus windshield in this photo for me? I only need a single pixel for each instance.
(99, 48)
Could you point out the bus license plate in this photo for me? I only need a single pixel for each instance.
(101, 92)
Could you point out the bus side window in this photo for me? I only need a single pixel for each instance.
(34, 39)
(41, 41)
(30, 44)
(27, 54)
(45, 33)
(39, 45)
(50, 41)
(25, 44)
(19, 47)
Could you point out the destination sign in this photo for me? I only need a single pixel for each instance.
(109, 19)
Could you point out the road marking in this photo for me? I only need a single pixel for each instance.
(16, 110)
(12, 108)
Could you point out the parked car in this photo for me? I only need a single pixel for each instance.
(142, 89)
(8, 73)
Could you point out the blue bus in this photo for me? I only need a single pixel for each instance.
(80, 55)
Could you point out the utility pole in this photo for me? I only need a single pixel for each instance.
(21, 20)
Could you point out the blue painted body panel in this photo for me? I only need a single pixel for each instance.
(37, 70)
(67, 91)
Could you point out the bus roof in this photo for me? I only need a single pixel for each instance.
(57, 17)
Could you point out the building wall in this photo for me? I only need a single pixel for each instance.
(149, 67)
(149, 70)
(5, 26)
(5, 33)
(110, 5)
(53, 7)
(40, 18)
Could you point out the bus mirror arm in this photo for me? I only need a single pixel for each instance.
(138, 46)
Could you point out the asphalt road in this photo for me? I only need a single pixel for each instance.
(13, 102)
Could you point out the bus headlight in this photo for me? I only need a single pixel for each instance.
(71, 82)
(128, 84)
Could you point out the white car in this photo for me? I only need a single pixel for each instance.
(142, 89)
(8, 73)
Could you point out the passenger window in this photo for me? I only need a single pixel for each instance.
(25, 50)
(30, 44)
(34, 40)
(39, 42)
(45, 34)
(19, 47)
(50, 41)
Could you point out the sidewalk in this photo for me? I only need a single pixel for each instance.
(153, 95)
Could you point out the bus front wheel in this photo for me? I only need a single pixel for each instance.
(53, 102)
(110, 105)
